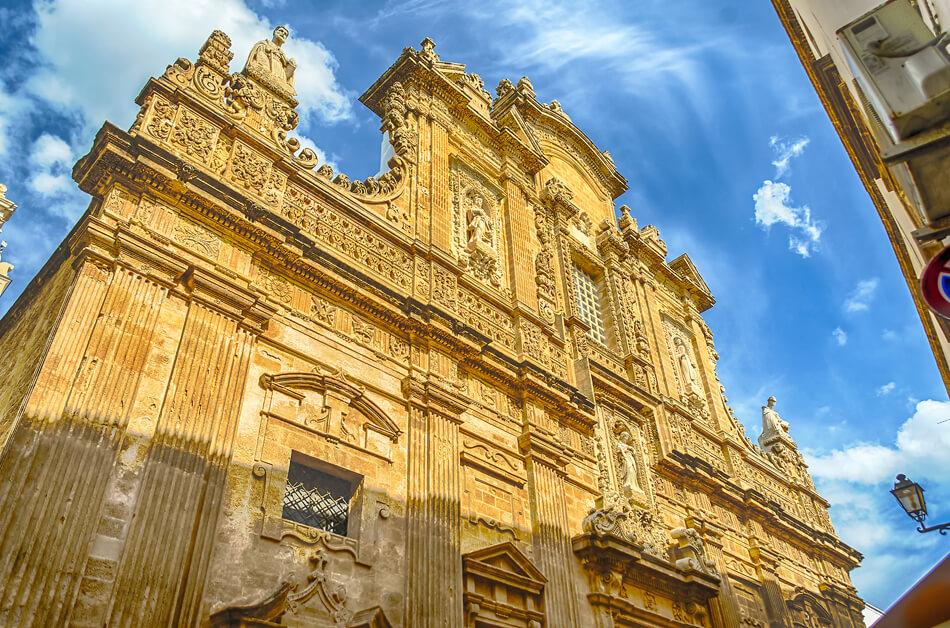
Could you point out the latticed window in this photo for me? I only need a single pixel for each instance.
(589, 307)
(317, 498)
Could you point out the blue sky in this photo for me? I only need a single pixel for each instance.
(705, 110)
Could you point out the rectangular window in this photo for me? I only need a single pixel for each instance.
(589, 305)
(320, 495)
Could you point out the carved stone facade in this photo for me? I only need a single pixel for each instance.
(6, 210)
(253, 392)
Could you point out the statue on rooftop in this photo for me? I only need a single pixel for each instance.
(269, 63)
(773, 427)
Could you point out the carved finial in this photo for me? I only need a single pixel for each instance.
(216, 52)
(427, 49)
(6, 206)
(525, 87)
(504, 88)
(625, 220)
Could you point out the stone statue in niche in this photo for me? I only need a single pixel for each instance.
(643, 345)
(687, 368)
(627, 457)
(478, 231)
(479, 255)
(269, 63)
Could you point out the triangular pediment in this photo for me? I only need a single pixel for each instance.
(513, 121)
(507, 558)
(684, 267)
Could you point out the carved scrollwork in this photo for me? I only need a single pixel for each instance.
(241, 94)
(618, 517)
(690, 551)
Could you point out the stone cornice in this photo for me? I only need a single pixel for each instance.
(434, 395)
(613, 553)
(146, 166)
(757, 506)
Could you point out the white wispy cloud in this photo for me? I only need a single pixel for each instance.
(886, 389)
(68, 70)
(6, 104)
(51, 159)
(773, 206)
(859, 300)
(841, 336)
(773, 201)
(785, 151)
(75, 56)
(559, 34)
(921, 445)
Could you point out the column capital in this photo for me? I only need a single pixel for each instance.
(441, 397)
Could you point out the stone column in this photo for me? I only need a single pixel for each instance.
(161, 574)
(844, 605)
(766, 562)
(707, 371)
(775, 603)
(434, 561)
(722, 607)
(61, 453)
(656, 336)
(550, 529)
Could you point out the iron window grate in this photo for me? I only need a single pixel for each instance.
(589, 305)
(317, 499)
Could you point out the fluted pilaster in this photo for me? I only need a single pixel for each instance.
(434, 583)
(60, 456)
(550, 530)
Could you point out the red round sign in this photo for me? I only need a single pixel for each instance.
(935, 283)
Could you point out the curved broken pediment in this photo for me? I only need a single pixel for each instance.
(808, 611)
(332, 405)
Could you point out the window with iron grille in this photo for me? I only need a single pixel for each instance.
(319, 496)
(589, 307)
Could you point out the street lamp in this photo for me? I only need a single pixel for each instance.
(910, 495)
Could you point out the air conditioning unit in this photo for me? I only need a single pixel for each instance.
(902, 67)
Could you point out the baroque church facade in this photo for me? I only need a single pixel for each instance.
(250, 391)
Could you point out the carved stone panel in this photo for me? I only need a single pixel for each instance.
(685, 368)
(476, 224)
